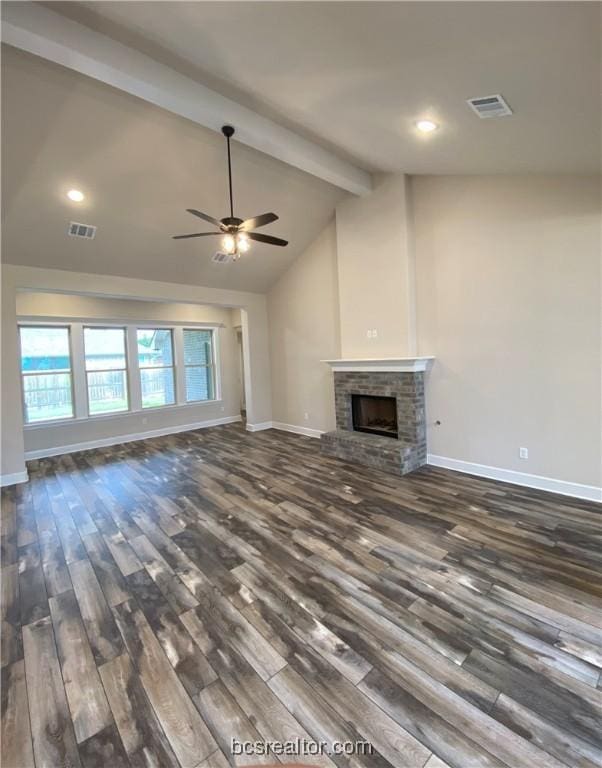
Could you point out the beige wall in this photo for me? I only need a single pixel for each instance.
(375, 272)
(304, 329)
(508, 298)
(11, 420)
(50, 306)
(16, 278)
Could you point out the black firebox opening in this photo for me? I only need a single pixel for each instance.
(375, 414)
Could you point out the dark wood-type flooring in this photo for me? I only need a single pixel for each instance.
(162, 597)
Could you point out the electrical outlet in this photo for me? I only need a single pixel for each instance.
(223, 408)
(523, 453)
(306, 416)
(369, 333)
(374, 333)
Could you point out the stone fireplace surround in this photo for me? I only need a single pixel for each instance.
(402, 378)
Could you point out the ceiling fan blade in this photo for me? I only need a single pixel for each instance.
(266, 239)
(196, 234)
(258, 221)
(205, 216)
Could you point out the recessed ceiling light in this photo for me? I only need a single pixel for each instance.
(426, 126)
(75, 195)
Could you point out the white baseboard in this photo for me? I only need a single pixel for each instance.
(119, 439)
(14, 478)
(259, 427)
(577, 490)
(308, 431)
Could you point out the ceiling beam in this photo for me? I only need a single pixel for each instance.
(45, 33)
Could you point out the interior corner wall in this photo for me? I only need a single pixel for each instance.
(376, 272)
(12, 458)
(508, 299)
(304, 329)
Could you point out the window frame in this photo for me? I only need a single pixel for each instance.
(71, 373)
(212, 365)
(173, 366)
(79, 389)
(108, 327)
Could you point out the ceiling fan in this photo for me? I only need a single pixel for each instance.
(235, 232)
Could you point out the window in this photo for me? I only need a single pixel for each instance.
(46, 373)
(78, 370)
(155, 361)
(106, 370)
(199, 365)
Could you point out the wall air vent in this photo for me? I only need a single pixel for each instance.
(222, 258)
(87, 231)
(489, 106)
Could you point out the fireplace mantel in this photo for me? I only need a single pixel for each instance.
(383, 364)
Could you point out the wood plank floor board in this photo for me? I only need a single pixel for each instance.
(110, 578)
(54, 743)
(8, 526)
(85, 695)
(214, 610)
(452, 744)
(56, 573)
(171, 587)
(139, 729)
(16, 744)
(185, 730)
(311, 630)
(233, 584)
(558, 705)
(26, 522)
(73, 548)
(189, 663)
(103, 635)
(104, 750)
(488, 633)
(546, 735)
(10, 638)
(268, 714)
(320, 720)
(33, 599)
(227, 721)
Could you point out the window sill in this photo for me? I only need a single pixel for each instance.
(118, 415)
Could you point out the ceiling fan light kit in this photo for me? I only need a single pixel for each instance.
(236, 233)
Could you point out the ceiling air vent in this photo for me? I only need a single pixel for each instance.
(222, 258)
(489, 106)
(87, 231)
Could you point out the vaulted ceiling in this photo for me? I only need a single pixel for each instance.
(351, 77)
(140, 168)
(356, 75)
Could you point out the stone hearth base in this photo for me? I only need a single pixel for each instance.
(401, 455)
(373, 451)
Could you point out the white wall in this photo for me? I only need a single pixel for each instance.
(508, 297)
(53, 307)
(16, 279)
(376, 272)
(304, 329)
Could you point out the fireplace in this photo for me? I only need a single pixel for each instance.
(375, 414)
(380, 413)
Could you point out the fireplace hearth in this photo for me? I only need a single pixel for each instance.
(380, 413)
(375, 415)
